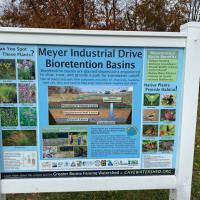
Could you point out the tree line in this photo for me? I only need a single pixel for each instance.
(134, 15)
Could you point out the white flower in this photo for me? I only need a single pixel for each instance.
(26, 68)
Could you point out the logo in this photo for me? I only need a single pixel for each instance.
(123, 162)
(54, 164)
(97, 163)
(110, 163)
(87, 163)
(73, 164)
(60, 164)
(79, 163)
(46, 164)
(132, 162)
(103, 163)
(116, 163)
(66, 164)
(90, 163)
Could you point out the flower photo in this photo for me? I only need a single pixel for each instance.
(28, 116)
(27, 93)
(26, 69)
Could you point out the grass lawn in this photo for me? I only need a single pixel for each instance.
(124, 195)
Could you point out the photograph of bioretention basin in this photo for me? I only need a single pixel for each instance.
(90, 105)
(64, 143)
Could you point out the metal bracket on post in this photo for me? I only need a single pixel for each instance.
(185, 152)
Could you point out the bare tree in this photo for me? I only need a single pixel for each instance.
(144, 15)
(193, 10)
(155, 15)
(45, 13)
(111, 15)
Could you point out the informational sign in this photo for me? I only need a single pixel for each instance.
(80, 111)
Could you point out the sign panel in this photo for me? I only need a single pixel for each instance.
(77, 111)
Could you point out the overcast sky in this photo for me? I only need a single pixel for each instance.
(2, 2)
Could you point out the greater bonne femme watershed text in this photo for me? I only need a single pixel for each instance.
(83, 53)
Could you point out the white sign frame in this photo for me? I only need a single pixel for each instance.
(180, 183)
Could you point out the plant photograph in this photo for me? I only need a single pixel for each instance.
(168, 99)
(80, 151)
(19, 138)
(26, 69)
(55, 138)
(150, 130)
(9, 116)
(151, 115)
(27, 93)
(151, 99)
(28, 116)
(168, 115)
(167, 130)
(77, 138)
(149, 146)
(7, 69)
(8, 93)
(58, 152)
(166, 145)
